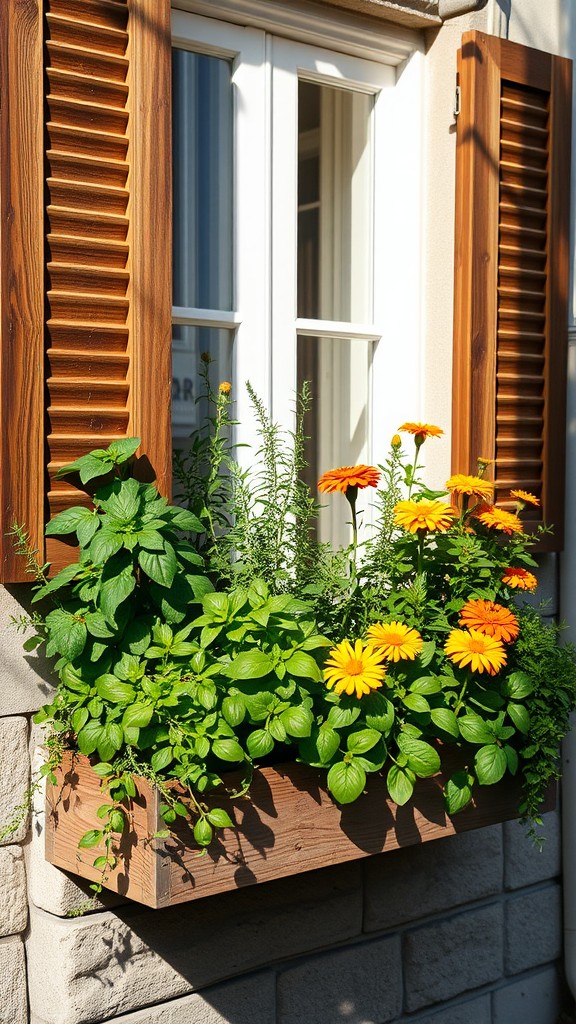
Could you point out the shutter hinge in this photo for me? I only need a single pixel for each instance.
(457, 101)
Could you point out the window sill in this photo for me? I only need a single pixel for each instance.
(290, 824)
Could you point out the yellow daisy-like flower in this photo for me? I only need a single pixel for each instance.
(472, 648)
(474, 486)
(225, 387)
(519, 579)
(525, 497)
(395, 640)
(354, 670)
(491, 619)
(349, 476)
(424, 515)
(421, 431)
(483, 463)
(498, 519)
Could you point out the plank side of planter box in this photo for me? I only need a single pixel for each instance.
(288, 825)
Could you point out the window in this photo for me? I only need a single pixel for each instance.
(280, 233)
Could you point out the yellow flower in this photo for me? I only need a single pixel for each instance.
(520, 579)
(491, 619)
(498, 519)
(421, 431)
(470, 647)
(474, 486)
(349, 476)
(525, 497)
(354, 670)
(396, 441)
(395, 640)
(424, 515)
(484, 463)
(225, 387)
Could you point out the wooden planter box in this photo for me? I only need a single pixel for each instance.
(288, 824)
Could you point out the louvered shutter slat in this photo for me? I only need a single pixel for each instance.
(511, 271)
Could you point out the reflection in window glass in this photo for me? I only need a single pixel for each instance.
(337, 424)
(189, 345)
(334, 203)
(202, 169)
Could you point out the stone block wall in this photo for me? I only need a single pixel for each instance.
(464, 930)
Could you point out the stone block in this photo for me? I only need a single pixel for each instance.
(14, 775)
(473, 1011)
(451, 957)
(406, 885)
(13, 1003)
(359, 985)
(533, 929)
(121, 961)
(13, 900)
(24, 678)
(246, 1001)
(524, 862)
(49, 888)
(533, 1000)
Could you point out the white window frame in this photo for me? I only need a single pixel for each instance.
(265, 76)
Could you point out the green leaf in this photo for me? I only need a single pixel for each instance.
(327, 743)
(474, 729)
(68, 521)
(114, 690)
(220, 818)
(258, 704)
(490, 763)
(97, 626)
(446, 720)
(89, 737)
(91, 838)
(259, 743)
(363, 740)
(346, 781)
(86, 529)
(137, 716)
(228, 750)
(79, 719)
(117, 820)
(122, 449)
(340, 717)
(203, 832)
(520, 716)
(103, 769)
(518, 685)
(426, 685)
(303, 665)
(216, 606)
(161, 759)
(234, 710)
(297, 721)
(249, 665)
(159, 566)
(415, 702)
(379, 712)
(426, 654)
(88, 466)
(66, 634)
(104, 545)
(400, 786)
(137, 636)
(458, 792)
(118, 582)
(182, 519)
(422, 759)
(277, 730)
(60, 580)
(511, 759)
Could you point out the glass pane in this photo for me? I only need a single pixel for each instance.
(337, 425)
(202, 155)
(334, 204)
(189, 344)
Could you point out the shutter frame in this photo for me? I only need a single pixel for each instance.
(484, 63)
(75, 274)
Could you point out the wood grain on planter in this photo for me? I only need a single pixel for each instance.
(289, 824)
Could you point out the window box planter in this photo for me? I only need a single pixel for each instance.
(287, 825)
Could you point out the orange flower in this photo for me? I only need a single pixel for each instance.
(349, 476)
(474, 486)
(421, 431)
(395, 640)
(225, 387)
(520, 579)
(498, 519)
(490, 619)
(472, 648)
(424, 515)
(525, 497)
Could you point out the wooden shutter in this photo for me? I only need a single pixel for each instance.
(101, 244)
(512, 271)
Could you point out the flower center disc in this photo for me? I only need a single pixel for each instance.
(354, 667)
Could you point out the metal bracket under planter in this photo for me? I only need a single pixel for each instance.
(288, 824)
